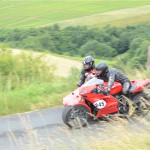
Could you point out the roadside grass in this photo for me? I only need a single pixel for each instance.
(34, 96)
(25, 14)
(115, 135)
(28, 83)
(120, 137)
(47, 94)
(22, 78)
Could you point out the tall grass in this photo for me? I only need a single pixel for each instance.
(18, 71)
(34, 96)
(28, 83)
(24, 80)
(121, 137)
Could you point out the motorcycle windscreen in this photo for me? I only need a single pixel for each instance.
(90, 85)
(93, 81)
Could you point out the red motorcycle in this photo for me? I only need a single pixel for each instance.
(85, 102)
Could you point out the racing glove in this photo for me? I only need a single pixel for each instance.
(105, 92)
(79, 83)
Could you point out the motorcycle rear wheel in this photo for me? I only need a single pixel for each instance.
(76, 116)
(142, 103)
(126, 107)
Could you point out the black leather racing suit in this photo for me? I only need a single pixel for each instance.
(114, 75)
(84, 73)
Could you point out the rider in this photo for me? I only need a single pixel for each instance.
(112, 75)
(88, 69)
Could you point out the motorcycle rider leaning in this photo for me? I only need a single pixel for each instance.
(88, 68)
(112, 75)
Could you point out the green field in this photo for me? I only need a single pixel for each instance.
(37, 13)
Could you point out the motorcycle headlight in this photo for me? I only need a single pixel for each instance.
(83, 93)
(82, 99)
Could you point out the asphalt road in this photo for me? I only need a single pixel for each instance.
(45, 130)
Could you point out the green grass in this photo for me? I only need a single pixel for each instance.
(32, 97)
(36, 13)
(28, 83)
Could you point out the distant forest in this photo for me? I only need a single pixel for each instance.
(108, 42)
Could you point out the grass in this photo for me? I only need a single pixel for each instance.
(129, 21)
(46, 94)
(25, 14)
(27, 80)
(124, 138)
(32, 97)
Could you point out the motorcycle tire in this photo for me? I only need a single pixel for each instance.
(76, 116)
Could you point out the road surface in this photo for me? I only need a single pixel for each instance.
(44, 130)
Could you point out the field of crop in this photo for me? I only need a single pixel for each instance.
(37, 13)
(122, 17)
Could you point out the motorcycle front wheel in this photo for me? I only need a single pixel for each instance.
(76, 116)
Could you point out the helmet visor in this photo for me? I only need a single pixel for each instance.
(98, 72)
(86, 66)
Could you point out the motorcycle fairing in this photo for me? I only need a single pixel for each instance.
(111, 105)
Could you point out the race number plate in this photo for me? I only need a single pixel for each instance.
(100, 104)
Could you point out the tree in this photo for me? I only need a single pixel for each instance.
(97, 49)
(32, 43)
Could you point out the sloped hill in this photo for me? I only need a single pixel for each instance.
(120, 17)
(63, 65)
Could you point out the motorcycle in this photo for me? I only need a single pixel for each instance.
(86, 103)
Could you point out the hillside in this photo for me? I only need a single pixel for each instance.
(122, 17)
(25, 14)
(32, 83)
(78, 40)
(63, 65)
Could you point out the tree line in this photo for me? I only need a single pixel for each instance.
(108, 42)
